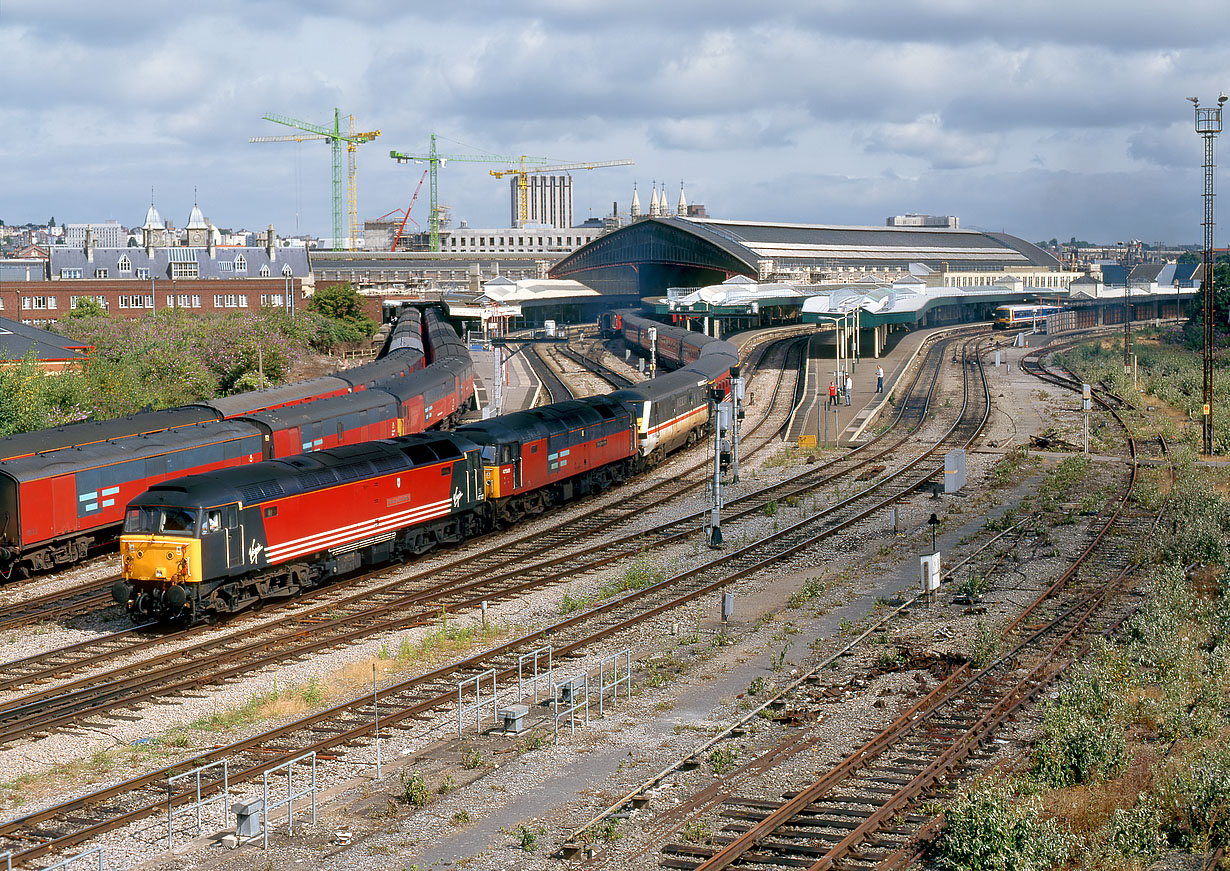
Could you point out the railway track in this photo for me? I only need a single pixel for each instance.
(863, 813)
(498, 572)
(62, 826)
(307, 626)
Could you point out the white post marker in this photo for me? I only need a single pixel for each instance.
(376, 709)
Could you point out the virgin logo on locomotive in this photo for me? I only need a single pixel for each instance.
(254, 551)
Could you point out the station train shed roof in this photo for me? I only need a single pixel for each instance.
(649, 255)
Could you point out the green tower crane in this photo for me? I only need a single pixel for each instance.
(335, 137)
(435, 158)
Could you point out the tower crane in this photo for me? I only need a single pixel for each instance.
(434, 160)
(335, 137)
(400, 229)
(522, 172)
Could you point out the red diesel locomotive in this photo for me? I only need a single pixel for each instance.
(57, 505)
(278, 530)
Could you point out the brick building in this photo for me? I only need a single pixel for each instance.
(135, 281)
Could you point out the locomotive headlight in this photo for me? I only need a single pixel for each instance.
(170, 556)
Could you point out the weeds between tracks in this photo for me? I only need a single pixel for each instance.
(1131, 760)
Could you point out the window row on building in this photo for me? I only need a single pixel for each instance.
(180, 270)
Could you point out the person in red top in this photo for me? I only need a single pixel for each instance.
(832, 393)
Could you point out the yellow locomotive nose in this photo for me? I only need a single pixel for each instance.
(146, 559)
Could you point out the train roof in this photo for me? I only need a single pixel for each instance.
(262, 482)
(441, 375)
(324, 409)
(1027, 306)
(272, 397)
(92, 431)
(536, 423)
(123, 450)
(664, 385)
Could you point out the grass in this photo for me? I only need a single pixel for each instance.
(1008, 470)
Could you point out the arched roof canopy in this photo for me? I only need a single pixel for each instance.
(648, 256)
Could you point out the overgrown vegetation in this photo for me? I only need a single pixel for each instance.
(1168, 370)
(1133, 759)
(172, 357)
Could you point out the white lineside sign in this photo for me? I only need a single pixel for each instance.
(929, 564)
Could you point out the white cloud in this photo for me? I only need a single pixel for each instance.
(926, 138)
(843, 111)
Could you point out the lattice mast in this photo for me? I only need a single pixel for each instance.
(1208, 125)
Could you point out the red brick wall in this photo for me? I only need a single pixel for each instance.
(12, 295)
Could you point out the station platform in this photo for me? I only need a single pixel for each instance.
(521, 384)
(846, 424)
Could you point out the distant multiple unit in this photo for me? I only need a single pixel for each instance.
(1010, 316)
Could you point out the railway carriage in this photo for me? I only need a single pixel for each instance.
(1012, 316)
(55, 508)
(220, 542)
(413, 399)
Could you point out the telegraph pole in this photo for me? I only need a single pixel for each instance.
(1208, 125)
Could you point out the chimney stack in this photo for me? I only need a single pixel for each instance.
(271, 245)
(89, 244)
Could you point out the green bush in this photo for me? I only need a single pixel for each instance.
(1137, 832)
(989, 828)
(1195, 797)
(1082, 739)
(414, 789)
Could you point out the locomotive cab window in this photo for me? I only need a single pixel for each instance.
(160, 520)
(213, 521)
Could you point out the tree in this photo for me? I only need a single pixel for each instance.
(87, 307)
(1189, 257)
(338, 301)
(52, 221)
(342, 320)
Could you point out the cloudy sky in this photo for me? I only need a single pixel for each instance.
(1044, 119)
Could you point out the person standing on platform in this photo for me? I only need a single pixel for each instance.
(849, 388)
(879, 379)
(832, 393)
